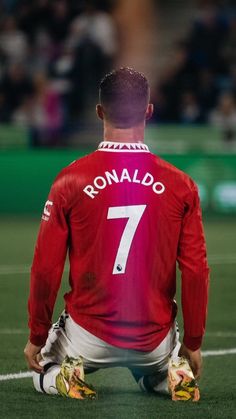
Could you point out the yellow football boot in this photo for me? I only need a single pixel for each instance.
(70, 380)
(181, 382)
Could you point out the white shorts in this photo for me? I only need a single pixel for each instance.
(68, 338)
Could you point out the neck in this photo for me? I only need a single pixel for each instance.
(126, 135)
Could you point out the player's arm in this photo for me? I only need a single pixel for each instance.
(192, 262)
(47, 268)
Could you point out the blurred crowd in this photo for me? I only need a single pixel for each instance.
(199, 85)
(52, 55)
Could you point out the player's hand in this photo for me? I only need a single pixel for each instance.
(32, 355)
(194, 358)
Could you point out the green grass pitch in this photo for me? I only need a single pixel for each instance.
(118, 394)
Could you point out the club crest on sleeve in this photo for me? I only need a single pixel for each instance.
(47, 210)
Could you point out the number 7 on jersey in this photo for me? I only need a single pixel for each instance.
(134, 214)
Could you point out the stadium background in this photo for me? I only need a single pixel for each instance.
(52, 56)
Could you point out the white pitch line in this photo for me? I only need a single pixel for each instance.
(25, 269)
(14, 331)
(14, 269)
(218, 334)
(16, 376)
(221, 334)
(218, 352)
(19, 269)
(222, 257)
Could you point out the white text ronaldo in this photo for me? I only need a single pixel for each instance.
(100, 182)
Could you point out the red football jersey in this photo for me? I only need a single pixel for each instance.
(125, 216)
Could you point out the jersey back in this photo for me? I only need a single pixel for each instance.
(126, 211)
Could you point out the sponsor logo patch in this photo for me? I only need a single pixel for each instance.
(46, 211)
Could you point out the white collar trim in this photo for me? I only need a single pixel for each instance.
(112, 146)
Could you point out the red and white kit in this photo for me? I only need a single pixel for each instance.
(125, 216)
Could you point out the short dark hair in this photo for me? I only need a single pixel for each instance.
(124, 95)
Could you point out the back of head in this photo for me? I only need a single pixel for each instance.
(124, 95)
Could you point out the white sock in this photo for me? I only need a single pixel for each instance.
(48, 380)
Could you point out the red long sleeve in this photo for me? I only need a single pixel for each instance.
(195, 273)
(48, 264)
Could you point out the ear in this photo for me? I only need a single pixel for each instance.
(149, 111)
(99, 111)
